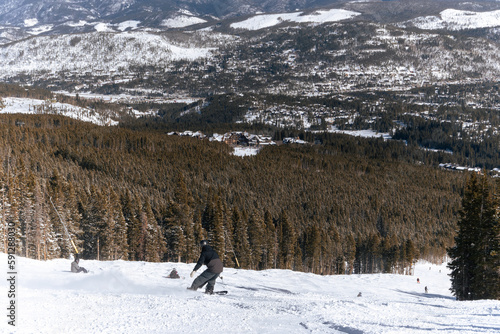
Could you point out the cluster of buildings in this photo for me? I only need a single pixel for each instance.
(236, 138)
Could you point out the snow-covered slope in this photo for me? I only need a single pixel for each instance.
(13, 105)
(134, 297)
(269, 20)
(107, 52)
(453, 19)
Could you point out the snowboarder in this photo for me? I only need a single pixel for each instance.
(75, 268)
(214, 265)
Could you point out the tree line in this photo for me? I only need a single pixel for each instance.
(145, 196)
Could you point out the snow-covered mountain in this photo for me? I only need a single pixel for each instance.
(21, 18)
(101, 51)
(183, 46)
(21, 13)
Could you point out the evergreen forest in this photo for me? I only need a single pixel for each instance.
(345, 205)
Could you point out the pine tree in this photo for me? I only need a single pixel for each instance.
(72, 216)
(153, 245)
(30, 204)
(93, 222)
(312, 248)
(40, 221)
(179, 225)
(217, 233)
(241, 244)
(174, 232)
(390, 253)
(257, 243)
(13, 218)
(411, 256)
(130, 211)
(120, 231)
(271, 243)
(287, 237)
(213, 222)
(374, 258)
(64, 214)
(350, 253)
(474, 258)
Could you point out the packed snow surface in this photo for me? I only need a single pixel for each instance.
(135, 297)
(268, 20)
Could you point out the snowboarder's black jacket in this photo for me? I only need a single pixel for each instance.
(209, 258)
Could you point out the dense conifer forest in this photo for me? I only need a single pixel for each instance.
(344, 205)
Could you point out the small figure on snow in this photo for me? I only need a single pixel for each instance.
(214, 265)
(426, 290)
(418, 280)
(360, 295)
(173, 274)
(75, 268)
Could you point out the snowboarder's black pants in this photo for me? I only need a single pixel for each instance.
(206, 277)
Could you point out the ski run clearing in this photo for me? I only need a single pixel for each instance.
(134, 297)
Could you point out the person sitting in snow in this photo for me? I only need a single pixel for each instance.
(214, 265)
(173, 274)
(75, 268)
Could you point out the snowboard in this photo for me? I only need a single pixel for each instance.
(220, 293)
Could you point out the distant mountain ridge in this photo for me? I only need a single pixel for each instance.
(191, 47)
(151, 12)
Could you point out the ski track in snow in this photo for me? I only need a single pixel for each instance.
(134, 297)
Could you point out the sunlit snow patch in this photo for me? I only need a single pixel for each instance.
(269, 20)
(181, 21)
(459, 19)
(103, 27)
(41, 29)
(13, 105)
(77, 24)
(132, 24)
(245, 151)
(361, 133)
(30, 22)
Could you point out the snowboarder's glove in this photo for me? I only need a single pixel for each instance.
(192, 273)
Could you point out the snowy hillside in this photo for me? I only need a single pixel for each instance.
(453, 19)
(107, 52)
(12, 105)
(269, 20)
(134, 297)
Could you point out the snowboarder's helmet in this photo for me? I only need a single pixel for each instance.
(204, 243)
